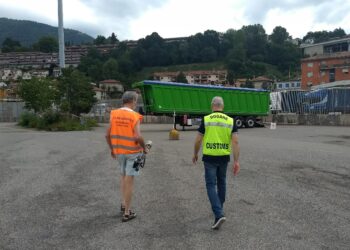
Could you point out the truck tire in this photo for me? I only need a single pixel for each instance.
(250, 122)
(239, 122)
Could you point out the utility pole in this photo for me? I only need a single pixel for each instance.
(61, 35)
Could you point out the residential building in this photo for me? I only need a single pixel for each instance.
(325, 62)
(198, 76)
(239, 82)
(288, 85)
(8, 74)
(328, 47)
(111, 85)
(262, 82)
(325, 68)
(100, 94)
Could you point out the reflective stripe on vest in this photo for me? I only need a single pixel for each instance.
(123, 140)
(217, 136)
(218, 124)
(123, 137)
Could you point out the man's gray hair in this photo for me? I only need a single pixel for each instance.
(217, 101)
(129, 96)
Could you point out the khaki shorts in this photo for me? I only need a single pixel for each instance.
(126, 163)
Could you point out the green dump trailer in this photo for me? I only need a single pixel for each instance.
(187, 101)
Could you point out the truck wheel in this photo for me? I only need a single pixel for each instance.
(239, 122)
(250, 122)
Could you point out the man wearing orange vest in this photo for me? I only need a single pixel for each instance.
(126, 143)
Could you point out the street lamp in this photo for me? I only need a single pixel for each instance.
(61, 35)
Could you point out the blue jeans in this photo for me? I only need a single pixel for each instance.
(215, 179)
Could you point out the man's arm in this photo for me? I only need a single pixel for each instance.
(197, 146)
(138, 136)
(108, 139)
(236, 150)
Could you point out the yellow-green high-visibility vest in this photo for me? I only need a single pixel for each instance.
(217, 136)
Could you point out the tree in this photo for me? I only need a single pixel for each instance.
(279, 35)
(208, 54)
(46, 44)
(10, 45)
(322, 36)
(181, 78)
(113, 39)
(110, 69)
(255, 40)
(38, 94)
(100, 40)
(77, 95)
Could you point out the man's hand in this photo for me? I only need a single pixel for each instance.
(194, 159)
(236, 168)
(113, 155)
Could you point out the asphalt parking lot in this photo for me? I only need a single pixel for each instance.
(60, 191)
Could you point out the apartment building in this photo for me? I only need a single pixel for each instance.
(325, 62)
(326, 68)
(328, 47)
(288, 85)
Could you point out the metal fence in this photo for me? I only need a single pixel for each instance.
(10, 111)
(320, 101)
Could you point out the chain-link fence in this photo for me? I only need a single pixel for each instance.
(320, 101)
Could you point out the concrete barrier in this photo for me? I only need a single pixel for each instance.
(309, 119)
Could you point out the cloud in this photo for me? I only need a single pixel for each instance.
(134, 19)
(94, 17)
(122, 8)
(299, 16)
(116, 15)
(256, 11)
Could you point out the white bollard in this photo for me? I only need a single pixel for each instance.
(273, 125)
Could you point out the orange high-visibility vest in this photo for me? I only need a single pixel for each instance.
(123, 122)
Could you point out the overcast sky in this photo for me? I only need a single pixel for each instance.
(134, 19)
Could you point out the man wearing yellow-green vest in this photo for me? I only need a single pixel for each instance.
(218, 136)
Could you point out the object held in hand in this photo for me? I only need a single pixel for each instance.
(141, 159)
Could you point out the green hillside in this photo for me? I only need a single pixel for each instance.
(28, 32)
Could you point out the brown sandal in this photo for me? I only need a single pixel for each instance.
(130, 216)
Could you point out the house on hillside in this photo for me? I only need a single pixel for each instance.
(111, 84)
(111, 89)
(262, 82)
(239, 82)
(100, 94)
(195, 76)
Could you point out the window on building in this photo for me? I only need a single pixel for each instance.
(331, 75)
(298, 84)
(310, 74)
(287, 85)
(292, 84)
(345, 71)
(280, 85)
(339, 47)
(310, 65)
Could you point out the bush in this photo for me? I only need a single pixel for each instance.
(51, 117)
(54, 121)
(27, 119)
